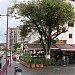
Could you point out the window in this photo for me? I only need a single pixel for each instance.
(70, 35)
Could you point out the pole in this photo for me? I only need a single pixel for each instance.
(10, 44)
(6, 41)
(15, 70)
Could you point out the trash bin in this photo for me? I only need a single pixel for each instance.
(0, 65)
(18, 71)
(0, 62)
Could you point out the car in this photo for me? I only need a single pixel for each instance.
(15, 57)
(8, 54)
(1, 52)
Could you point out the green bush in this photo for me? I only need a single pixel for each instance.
(32, 61)
(27, 57)
(42, 60)
(50, 61)
(22, 59)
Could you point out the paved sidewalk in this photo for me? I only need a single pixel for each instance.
(47, 70)
(10, 70)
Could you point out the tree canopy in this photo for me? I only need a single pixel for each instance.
(48, 17)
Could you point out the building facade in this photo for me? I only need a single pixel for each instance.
(11, 37)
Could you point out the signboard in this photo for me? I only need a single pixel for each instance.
(60, 41)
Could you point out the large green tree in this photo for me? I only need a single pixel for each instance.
(47, 17)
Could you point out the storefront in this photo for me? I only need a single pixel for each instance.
(56, 49)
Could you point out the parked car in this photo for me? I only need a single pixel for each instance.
(8, 54)
(1, 53)
(15, 57)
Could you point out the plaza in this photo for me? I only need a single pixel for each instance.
(47, 70)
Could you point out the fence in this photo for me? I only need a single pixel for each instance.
(3, 69)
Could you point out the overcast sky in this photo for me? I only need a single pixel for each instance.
(4, 4)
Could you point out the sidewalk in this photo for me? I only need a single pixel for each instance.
(47, 70)
(10, 70)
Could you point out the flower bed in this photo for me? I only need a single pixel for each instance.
(26, 64)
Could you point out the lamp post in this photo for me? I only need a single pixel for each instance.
(6, 38)
(10, 46)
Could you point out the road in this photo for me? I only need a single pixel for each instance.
(3, 60)
(47, 70)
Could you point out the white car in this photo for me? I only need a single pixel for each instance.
(8, 54)
(1, 52)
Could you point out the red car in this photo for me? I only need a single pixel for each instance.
(15, 57)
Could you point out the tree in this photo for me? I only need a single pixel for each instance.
(47, 17)
(25, 29)
(13, 50)
(16, 46)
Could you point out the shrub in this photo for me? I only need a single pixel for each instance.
(50, 61)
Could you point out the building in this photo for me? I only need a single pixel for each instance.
(11, 37)
(14, 37)
(18, 36)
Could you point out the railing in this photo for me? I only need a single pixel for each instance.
(3, 69)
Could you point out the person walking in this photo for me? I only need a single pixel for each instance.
(67, 60)
(64, 61)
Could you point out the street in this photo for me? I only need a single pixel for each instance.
(47, 70)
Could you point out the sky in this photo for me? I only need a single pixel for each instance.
(12, 22)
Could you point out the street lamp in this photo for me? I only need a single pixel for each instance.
(6, 38)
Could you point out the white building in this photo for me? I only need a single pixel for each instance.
(69, 36)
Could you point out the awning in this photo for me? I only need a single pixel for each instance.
(33, 46)
(65, 47)
(53, 46)
(38, 46)
(62, 47)
(73, 45)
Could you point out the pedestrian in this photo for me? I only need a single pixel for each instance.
(58, 60)
(64, 61)
(67, 60)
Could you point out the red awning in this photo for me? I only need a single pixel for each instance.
(65, 47)
(62, 47)
(53, 46)
(38, 46)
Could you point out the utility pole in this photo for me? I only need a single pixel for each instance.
(10, 45)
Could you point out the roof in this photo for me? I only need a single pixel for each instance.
(73, 45)
(38, 46)
(66, 47)
(33, 46)
(53, 46)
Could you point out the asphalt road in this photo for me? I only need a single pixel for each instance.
(47, 70)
